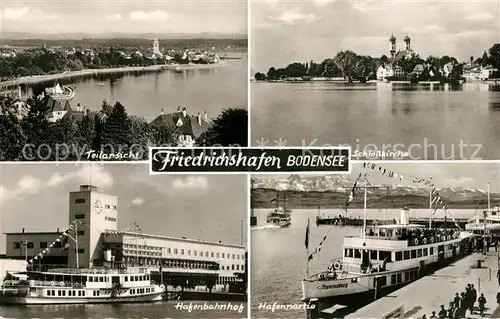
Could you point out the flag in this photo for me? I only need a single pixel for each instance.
(64, 243)
(307, 235)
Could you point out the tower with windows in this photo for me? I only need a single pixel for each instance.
(392, 46)
(94, 213)
(407, 41)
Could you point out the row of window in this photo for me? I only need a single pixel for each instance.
(207, 254)
(139, 291)
(141, 253)
(137, 278)
(110, 219)
(71, 293)
(398, 255)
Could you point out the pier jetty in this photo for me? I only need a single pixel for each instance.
(427, 294)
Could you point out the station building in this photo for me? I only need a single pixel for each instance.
(100, 243)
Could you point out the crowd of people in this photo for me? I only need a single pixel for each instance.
(460, 304)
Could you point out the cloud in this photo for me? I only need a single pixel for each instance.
(137, 201)
(190, 183)
(148, 15)
(28, 184)
(55, 179)
(26, 13)
(480, 16)
(88, 174)
(95, 175)
(114, 17)
(291, 17)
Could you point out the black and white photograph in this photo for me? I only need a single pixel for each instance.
(119, 77)
(417, 79)
(111, 241)
(390, 240)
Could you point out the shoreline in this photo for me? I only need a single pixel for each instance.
(336, 81)
(35, 79)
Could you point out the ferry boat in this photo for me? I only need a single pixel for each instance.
(80, 286)
(384, 258)
(60, 93)
(280, 217)
(486, 222)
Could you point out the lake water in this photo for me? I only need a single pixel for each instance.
(144, 95)
(428, 124)
(165, 309)
(278, 261)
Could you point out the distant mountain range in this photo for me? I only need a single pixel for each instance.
(332, 191)
(12, 35)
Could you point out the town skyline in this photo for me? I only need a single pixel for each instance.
(131, 17)
(35, 197)
(322, 28)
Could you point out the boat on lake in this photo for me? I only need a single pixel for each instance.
(80, 286)
(281, 216)
(384, 258)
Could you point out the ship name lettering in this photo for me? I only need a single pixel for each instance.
(336, 286)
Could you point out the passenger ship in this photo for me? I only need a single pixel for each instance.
(486, 222)
(280, 217)
(385, 257)
(80, 286)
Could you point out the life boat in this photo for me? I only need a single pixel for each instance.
(337, 265)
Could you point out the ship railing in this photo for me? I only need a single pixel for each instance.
(87, 271)
(65, 284)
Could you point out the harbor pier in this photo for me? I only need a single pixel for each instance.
(427, 294)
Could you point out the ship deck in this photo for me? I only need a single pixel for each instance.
(429, 293)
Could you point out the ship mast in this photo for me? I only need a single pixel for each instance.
(430, 207)
(489, 209)
(364, 210)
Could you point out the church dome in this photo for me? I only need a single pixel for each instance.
(407, 38)
(392, 38)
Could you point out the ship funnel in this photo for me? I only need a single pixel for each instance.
(405, 216)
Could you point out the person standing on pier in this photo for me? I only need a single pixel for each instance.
(442, 313)
(498, 276)
(482, 303)
(463, 304)
(450, 311)
(457, 301)
(473, 298)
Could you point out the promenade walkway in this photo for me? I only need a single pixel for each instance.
(429, 293)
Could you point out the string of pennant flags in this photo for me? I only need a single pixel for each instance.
(436, 198)
(63, 238)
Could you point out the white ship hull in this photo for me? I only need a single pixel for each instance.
(42, 300)
(336, 288)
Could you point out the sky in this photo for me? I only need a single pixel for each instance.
(207, 207)
(130, 16)
(454, 175)
(299, 31)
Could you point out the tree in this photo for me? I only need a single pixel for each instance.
(273, 74)
(495, 55)
(229, 128)
(384, 59)
(296, 70)
(485, 59)
(346, 62)
(364, 68)
(116, 130)
(13, 138)
(260, 76)
(330, 69)
(161, 134)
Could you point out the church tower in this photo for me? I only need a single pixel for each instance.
(407, 43)
(392, 46)
(156, 46)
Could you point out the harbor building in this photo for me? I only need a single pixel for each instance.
(100, 244)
